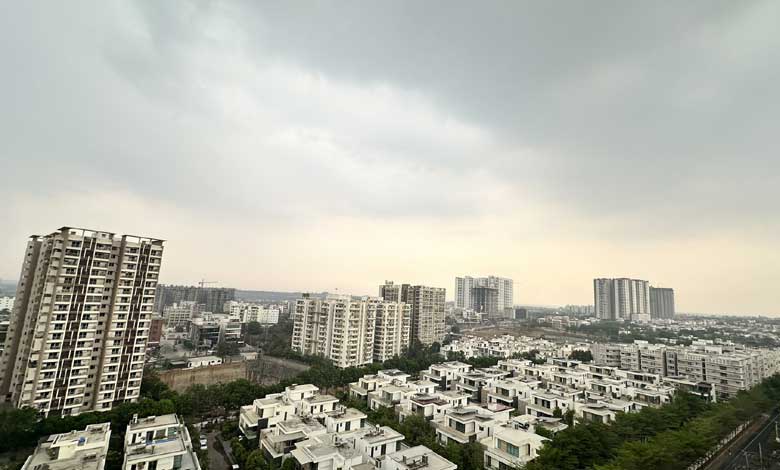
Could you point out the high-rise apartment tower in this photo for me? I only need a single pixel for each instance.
(78, 331)
(662, 302)
(621, 298)
(476, 293)
(427, 304)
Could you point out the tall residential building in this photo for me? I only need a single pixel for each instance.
(662, 302)
(428, 313)
(345, 330)
(476, 293)
(210, 299)
(392, 330)
(78, 332)
(621, 298)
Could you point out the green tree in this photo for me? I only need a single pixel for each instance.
(256, 461)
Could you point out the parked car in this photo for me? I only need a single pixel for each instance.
(204, 444)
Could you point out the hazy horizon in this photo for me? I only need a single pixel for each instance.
(300, 146)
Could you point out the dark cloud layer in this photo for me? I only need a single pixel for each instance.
(629, 120)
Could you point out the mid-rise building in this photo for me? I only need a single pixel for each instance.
(428, 311)
(248, 312)
(158, 442)
(351, 332)
(77, 336)
(211, 299)
(621, 298)
(492, 295)
(180, 313)
(662, 302)
(83, 450)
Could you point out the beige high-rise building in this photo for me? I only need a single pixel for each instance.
(78, 331)
(350, 332)
(428, 312)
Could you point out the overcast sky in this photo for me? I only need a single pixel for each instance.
(321, 146)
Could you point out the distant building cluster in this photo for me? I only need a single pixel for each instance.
(727, 369)
(491, 296)
(314, 429)
(208, 299)
(631, 299)
(507, 346)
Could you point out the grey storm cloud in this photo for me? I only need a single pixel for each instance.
(611, 107)
(603, 122)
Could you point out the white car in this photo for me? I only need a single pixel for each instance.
(204, 444)
(235, 467)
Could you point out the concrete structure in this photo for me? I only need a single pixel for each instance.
(181, 379)
(6, 303)
(203, 361)
(180, 313)
(248, 312)
(416, 458)
(159, 443)
(155, 331)
(83, 450)
(662, 302)
(351, 332)
(211, 299)
(510, 447)
(77, 337)
(621, 298)
(491, 295)
(428, 312)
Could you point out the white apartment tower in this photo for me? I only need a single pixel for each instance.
(78, 331)
(621, 298)
(469, 294)
(350, 332)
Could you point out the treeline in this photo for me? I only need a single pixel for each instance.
(670, 437)
(679, 448)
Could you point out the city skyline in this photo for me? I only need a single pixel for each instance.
(551, 144)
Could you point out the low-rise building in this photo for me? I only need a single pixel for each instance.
(83, 450)
(510, 447)
(416, 458)
(158, 442)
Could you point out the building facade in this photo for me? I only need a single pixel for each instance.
(492, 295)
(77, 336)
(351, 332)
(428, 311)
(210, 299)
(6, 303)
(662, 302)
(248, 312)
(620, 298)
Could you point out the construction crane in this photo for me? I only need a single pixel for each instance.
(203, 282)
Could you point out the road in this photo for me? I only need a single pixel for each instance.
(217, 461)
(754, 453)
